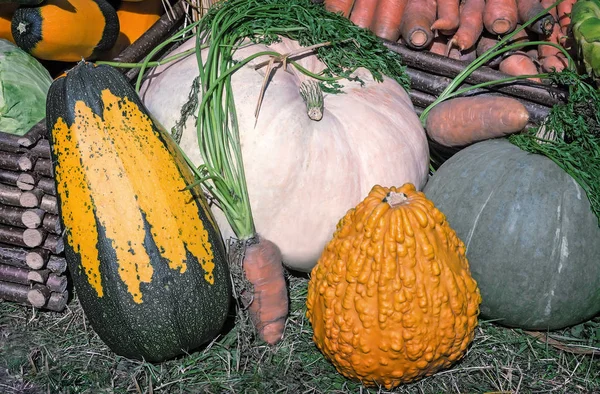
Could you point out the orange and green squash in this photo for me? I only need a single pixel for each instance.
(21, 2)
(6, 13)
(147, 260)
(66, 30)
(391, 299)
(135, 18)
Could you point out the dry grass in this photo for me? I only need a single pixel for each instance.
(59, 353)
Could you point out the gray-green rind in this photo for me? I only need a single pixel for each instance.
(533, 243)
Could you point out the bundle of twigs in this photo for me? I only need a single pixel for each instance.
(32, 265)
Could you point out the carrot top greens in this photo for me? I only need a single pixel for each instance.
(341, 45)
(570, 136)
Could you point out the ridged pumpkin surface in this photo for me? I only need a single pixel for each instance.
(391, 299)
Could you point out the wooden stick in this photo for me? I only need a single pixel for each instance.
(31, 198)
(26, 161)
(10, 142)
(51, 223)
(8, 273)
(43, 167)
(11, 195)
(441, 65)
(57, 264)
(47, 185)
(33, 218)
(41, 149)
(57, 283)
(57, 301)
(23, 180)
(37, 258)
(49, 204)
(14, 255)
(12, 216)
(54, 243)
(26, 181)
(38, 276)
(38, 295)
(14, 292)
(34, 134)
(10, 161)
(18, 293)
(30, 237)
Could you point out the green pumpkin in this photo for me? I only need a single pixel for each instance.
(147, 259)
(532, 241)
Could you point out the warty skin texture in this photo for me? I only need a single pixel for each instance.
(391, 299)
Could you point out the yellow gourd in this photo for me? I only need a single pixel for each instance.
(391, 299)
(66, 30)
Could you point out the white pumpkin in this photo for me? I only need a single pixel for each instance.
(303, 175)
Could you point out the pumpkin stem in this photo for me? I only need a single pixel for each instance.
(22, 27)
(312, 94)
(395, 199)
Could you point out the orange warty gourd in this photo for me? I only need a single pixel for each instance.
(391, 299)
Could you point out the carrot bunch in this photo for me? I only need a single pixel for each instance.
(462, 29)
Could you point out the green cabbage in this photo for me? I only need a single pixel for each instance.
(24, 83)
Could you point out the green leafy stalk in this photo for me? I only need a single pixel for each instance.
(232, 23)
(570, 136)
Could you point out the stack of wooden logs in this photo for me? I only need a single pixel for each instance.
(32, 264)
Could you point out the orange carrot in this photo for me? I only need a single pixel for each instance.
(343, 6)
(269, 306)
(500, 16)
(563, 11)
(363, 12)
(552, 11)
(528, 9)
(416, 23)
(438, 45)
(464, 120)
(551, 58)
(486, 42)
(519, 63)
(387, 19)
(447, 17)
(470, 26)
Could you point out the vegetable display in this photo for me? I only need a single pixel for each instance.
(391, 299)
(454, 29)
(24, 83)
(287, 154)
(143, 249)
(530, 235)
(66, 30)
